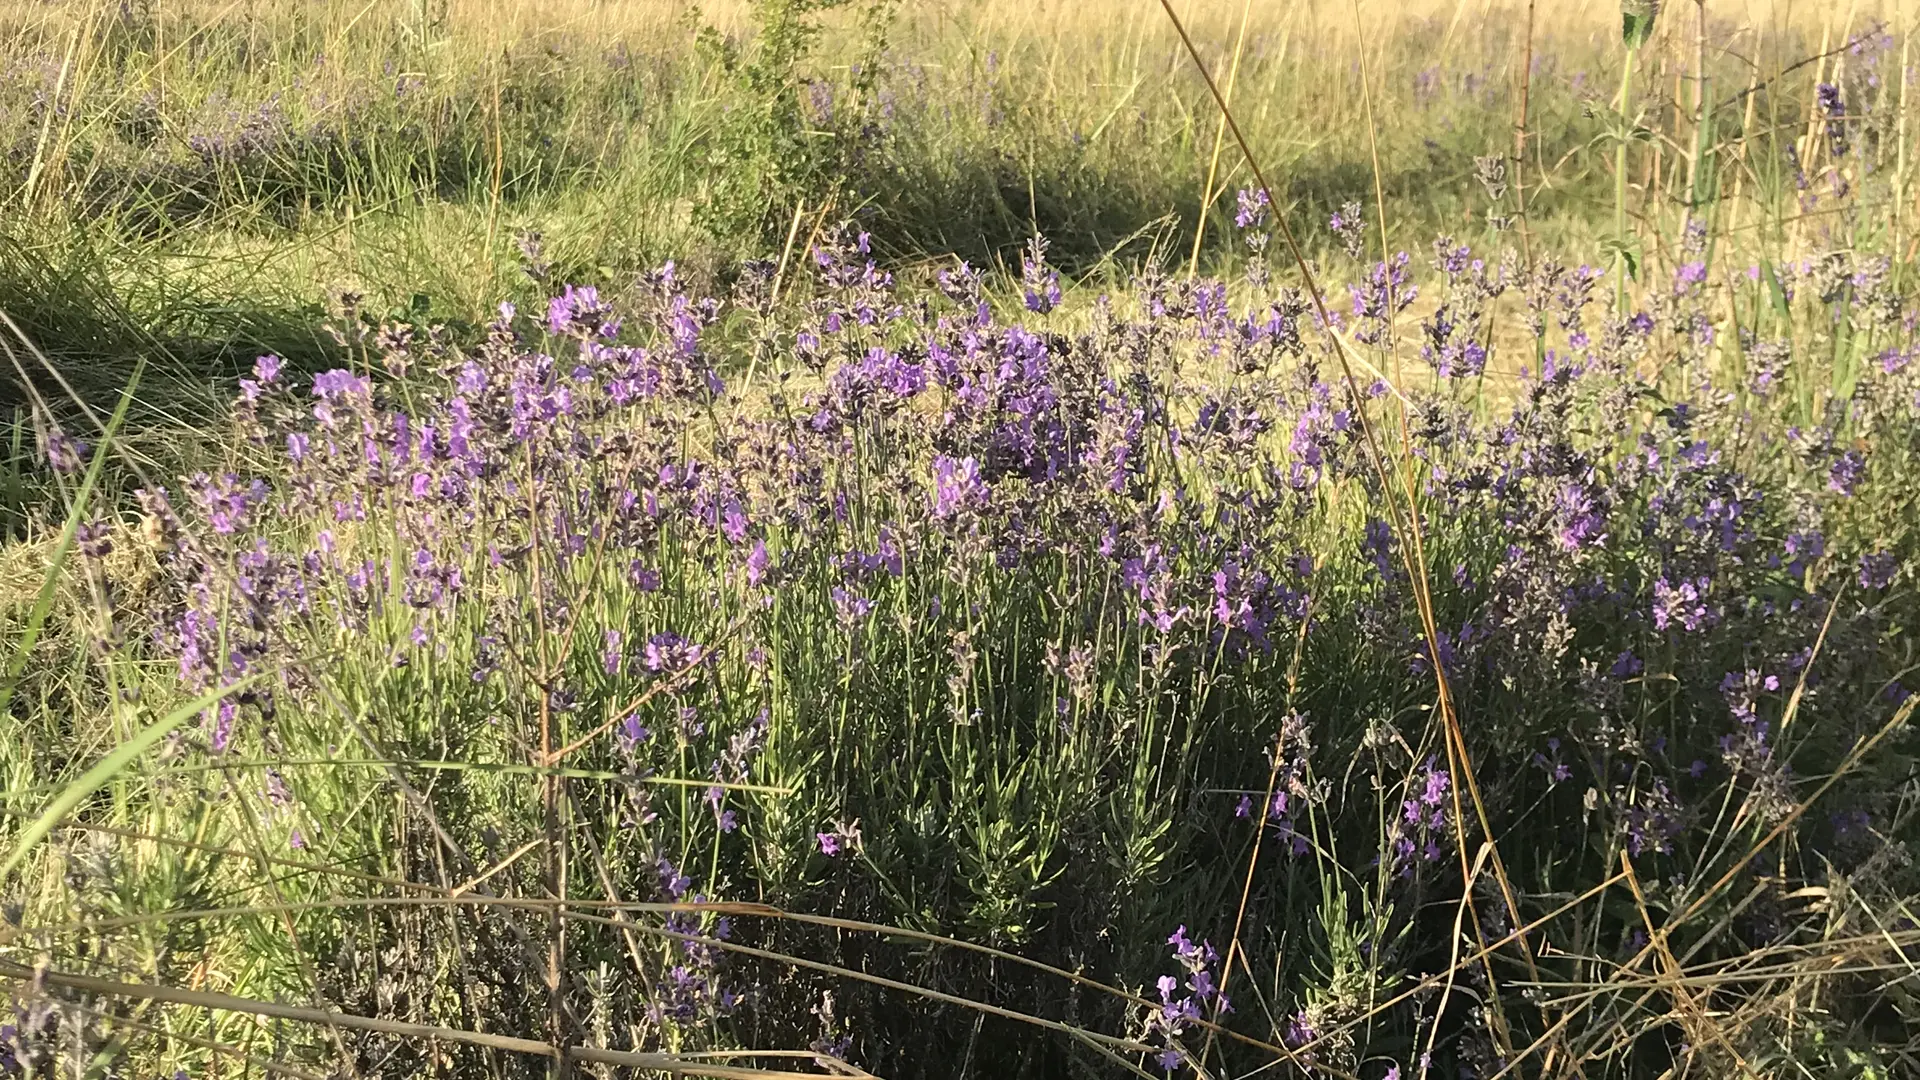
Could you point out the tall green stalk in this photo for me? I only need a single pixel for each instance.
(1636, 25)
(1621, 260)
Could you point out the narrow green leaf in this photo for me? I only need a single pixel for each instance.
(107, 767)
(1775, 291)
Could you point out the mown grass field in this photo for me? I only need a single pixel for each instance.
(892, 540)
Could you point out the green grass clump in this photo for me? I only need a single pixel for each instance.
(184, 176)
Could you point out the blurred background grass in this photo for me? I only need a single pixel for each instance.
(193, 179)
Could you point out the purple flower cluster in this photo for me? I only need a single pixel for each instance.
(1186, 1001)
(1828, 101)
(1350, 228)
(693, 990)
(1422, 833)
(952, 563)
(1041, 282)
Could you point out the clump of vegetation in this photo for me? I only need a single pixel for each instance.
(772, 148)
(1354, 660)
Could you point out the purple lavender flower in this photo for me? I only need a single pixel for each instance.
(266, 375)
(1684, 602)
(1450, 347)
(223, 725)
(1654, 818)
(1557, 770)
(1580, 516)
(842, 837)
(63, 453)
(1042, 284)
(1877, 570)
(1830, 105)
(850, 608)
(1177, 1012)
(1351, 229)
(671, 652)
(579, 312)
(957, 487)
(1803, 549)
(338, 384)
(1252, 209)
(962, 284)
(1299, 1031)
(632, 732)
(757, 563)
(673, 884)
(226, 500)
(1386, 293)
(1845, 473)
(94, 538)
(1378, 547)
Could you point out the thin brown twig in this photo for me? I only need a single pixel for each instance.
(1453, 944)
(1800, 685)
(475, 881)
(1694, 1017)
(1826, 54)
(1207, 192)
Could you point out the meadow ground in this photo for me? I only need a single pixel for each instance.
(869, 539)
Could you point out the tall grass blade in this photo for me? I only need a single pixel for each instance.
(110, 766)
(76, 514)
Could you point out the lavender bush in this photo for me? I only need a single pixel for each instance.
(1088, 631)
(1462, 661)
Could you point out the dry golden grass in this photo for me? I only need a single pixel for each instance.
(1063, 33)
